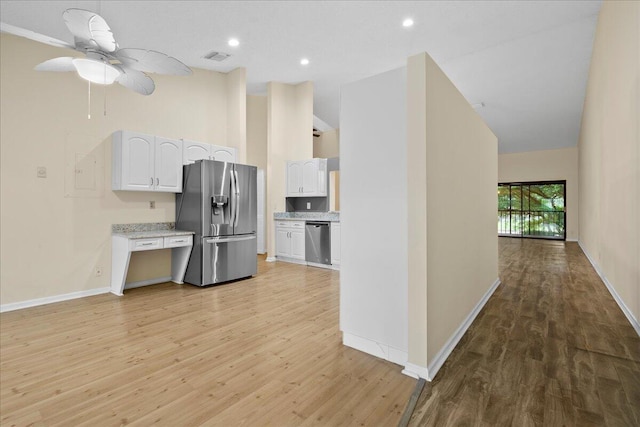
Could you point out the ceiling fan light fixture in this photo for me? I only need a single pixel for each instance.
(96, 71)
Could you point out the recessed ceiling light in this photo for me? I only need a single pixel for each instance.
(234, 42)
(304, 61)
(407, 23)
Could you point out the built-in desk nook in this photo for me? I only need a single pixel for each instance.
(127, 238)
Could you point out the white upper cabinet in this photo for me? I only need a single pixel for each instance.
(294, 179)
(146, 163)
(223, 154)
(193, 151)
(168, 167)
(307, 178)
(153, 163)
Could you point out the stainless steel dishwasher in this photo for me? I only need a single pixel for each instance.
(317, 242)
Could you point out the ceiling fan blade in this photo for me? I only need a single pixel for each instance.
(90, 28)
(31, 35)
(135, 80)
(63, 63)
(151, 61)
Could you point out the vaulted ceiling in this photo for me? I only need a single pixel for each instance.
(526, 61)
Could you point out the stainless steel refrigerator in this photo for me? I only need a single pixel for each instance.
(218, 203)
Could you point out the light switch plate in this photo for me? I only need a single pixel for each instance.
(41, 172)
(308, 205)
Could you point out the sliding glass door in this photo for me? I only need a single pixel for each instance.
(532, 209)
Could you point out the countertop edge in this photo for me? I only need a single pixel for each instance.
(152, 233)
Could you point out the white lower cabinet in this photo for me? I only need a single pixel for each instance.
(335, 245)
(290, 239)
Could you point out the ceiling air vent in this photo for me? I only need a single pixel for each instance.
(217, 56)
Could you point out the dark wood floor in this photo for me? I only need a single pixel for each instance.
(550, 348)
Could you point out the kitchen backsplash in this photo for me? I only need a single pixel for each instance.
(299, 204)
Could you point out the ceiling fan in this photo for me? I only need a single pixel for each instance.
(105, 61)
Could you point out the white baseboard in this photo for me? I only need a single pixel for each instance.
(432, 369)
(571, 240)
(416, 371)
(374, 348)
(270, 259)
(48, 300)
(147, 282)
(612, 291)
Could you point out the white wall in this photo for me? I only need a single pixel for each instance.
(373, 161)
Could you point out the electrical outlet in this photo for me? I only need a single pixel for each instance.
(152, 204)
(41, 172)
(98, 271)
(308, 205)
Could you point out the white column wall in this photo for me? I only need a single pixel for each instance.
(373, 163)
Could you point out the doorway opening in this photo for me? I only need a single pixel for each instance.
(532, 209)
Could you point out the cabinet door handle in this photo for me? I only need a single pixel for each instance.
(146, 244)
(151, 185)
(157, 182)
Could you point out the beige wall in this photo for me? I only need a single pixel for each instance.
(237, 112)
(52, 234)
(452, 166)
(257, 131)
(609, 159)
(327, 145)
(546, 165)
(289, 137)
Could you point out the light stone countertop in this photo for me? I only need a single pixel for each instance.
(309, 216)
(152, 233)
(147, 230)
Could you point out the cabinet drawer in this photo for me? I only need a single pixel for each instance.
(145, 244)
(290, 224)
(178, 241)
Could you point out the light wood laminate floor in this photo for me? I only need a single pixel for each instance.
(550, 348)
(263, 351)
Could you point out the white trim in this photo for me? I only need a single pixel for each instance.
(57, 298)
(446, 350)
(612, 291)
(571, 240)
(416, 371)
(374, 348)
(147, 282)
(270, 259)
(318, 265)
(291, 260)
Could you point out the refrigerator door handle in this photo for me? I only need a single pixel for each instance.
(232, 200)
(235, 222)
(229, 239)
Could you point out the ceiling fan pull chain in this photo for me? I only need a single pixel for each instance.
(89, 102)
